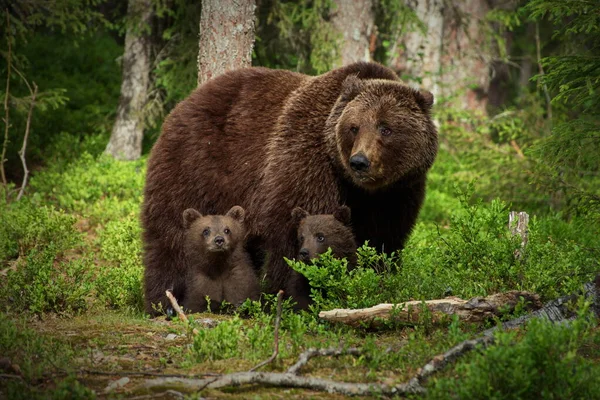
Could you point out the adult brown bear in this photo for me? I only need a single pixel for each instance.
(271, 140)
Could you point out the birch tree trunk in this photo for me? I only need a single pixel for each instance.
(354, 20)
(226, 36)
(126, 137)
(453, 56)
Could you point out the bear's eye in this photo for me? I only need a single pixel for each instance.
(206, 231)
(302, 238)
(320, 238)
(227, 231)
(354, 129)
(385, 131)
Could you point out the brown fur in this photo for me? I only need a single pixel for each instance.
(272, 140)
(219, 267)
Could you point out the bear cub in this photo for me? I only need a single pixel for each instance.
(218, 264)
(317, 233)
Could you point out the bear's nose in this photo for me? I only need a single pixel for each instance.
(359, 162)
(219, 240)
(304, 253)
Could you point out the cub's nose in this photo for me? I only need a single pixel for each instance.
(359, 162)
(219, 240)
(304, 253)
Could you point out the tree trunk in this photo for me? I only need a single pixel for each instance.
(453, 56)
(354, 20)
(126, 138)
(226, 36)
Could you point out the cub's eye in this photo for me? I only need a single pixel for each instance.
(227, 231)
(206, 231)
(320, 238)
(354, 129)
(385, 131)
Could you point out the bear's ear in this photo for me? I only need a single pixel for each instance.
(298, 214)
(342, 214)
(189, 216)
(424, 99)
(237, 213)
(351, 87)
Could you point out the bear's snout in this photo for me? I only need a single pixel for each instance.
(359, 162)
(304, 254)
(219, 241)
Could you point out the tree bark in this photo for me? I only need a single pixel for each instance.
(453, 56)
(226, 36)
(354, 20)
(126, 137)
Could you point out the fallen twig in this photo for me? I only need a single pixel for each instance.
(179, 311)
(311, 353)
(276, 334)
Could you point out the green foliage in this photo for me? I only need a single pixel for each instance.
(544, 364)
(25, 227)
(119, 280)
(297, 35)
(393, 18)
(221, 342)
(568, 159)
(101, 186)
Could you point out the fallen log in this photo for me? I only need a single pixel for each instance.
(476, 309)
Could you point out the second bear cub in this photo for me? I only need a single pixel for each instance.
(218, 265)
(317, 233)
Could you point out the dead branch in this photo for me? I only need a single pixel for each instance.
(6, 95)
(276, 334)
(311, 353)
(179, 311)
(281, 380)
(474, 310)
(25, 138)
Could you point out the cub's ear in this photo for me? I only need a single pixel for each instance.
(351, 87)
(342, 214)
(189, 216)
(424, 99)
(298, 214)
(237, 213)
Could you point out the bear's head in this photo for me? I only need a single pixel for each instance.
(317, 233)
(383, 131)
(213, 234)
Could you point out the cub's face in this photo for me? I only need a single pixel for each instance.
(384, 132)
(317, 233)
(213, 233)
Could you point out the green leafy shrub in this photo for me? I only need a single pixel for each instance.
(218, 343)
(91, 180)
(543, 364)
(119, 280)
